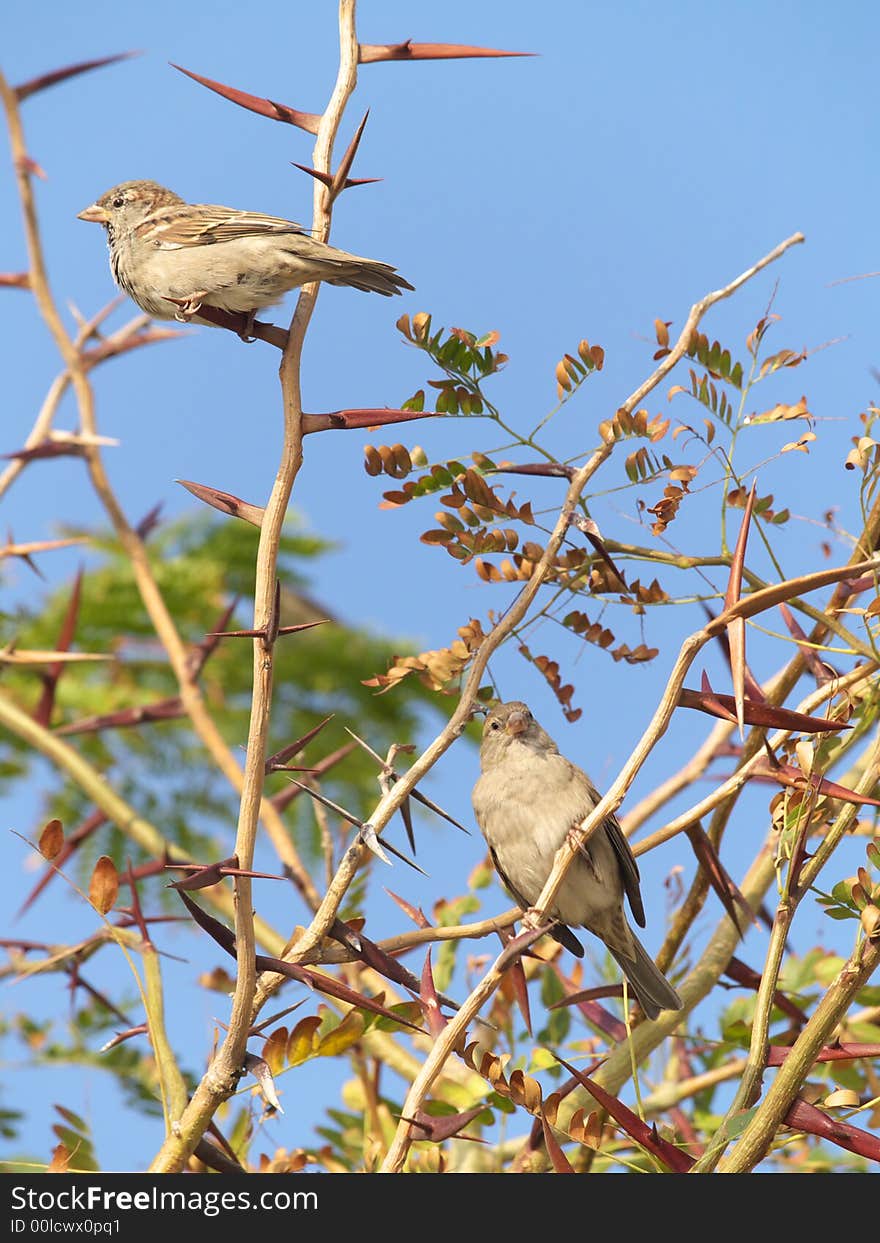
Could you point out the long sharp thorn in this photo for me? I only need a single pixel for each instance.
(341, 174)
(420, 798)
(366, 746)
(322, 798)
(406, 817)
(367, 833)
(319, 175)
(346, 935)
(403, 858)
(293, 748)
(432, 806)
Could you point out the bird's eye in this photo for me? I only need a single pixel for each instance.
(118, 202)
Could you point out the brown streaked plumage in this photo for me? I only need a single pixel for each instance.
(526, 801)
(171, 256)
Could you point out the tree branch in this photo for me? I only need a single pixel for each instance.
(222, 1076)
(446, 1042)
(757, 1138)
(130, 541)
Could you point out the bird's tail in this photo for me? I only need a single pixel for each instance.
(340, 267)
(371, 276)
(650, 985)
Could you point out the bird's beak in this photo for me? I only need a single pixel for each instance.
(517, 723)
(94, 214)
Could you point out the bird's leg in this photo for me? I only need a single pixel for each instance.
(575, 845)
(533, 920)
(188, 307)
(579, 847)
(247, 332)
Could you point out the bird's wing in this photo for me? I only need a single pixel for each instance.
(564, 935)
(629, 871)
(210, 224)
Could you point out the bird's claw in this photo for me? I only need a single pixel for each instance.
(247, 332)
(532, 920)
(188, 307)
(573, 839)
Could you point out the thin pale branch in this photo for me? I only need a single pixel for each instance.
(756, 1139)
(737, 780)
(220, 1081)
(95, 786)
(131, 542)
(759, 1045)
(444, 1045)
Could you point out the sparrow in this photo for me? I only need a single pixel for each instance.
(526, 800)
(171, 257)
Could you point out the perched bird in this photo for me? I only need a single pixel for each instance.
(526, 800)
(171, 256)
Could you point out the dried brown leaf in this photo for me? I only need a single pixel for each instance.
(104, 885)
(51, 839)
(60, 1163)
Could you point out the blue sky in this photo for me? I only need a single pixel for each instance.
(646, 155)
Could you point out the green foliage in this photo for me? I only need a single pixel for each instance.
(201, 566)
(124, 717)
(73, 1132)
(487, 522)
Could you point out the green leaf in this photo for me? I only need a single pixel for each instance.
(740, 1121)
(841, 892)
(415, 403)
(75, 1120)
